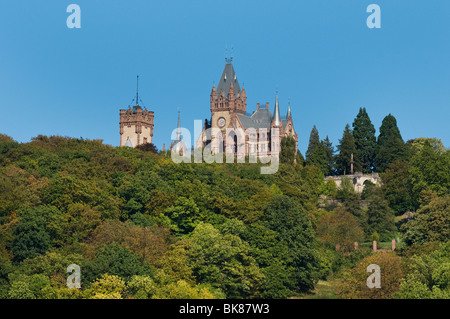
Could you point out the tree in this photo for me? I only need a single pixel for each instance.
(417, 144)
(183, 290)
(32, 235)
(148, 147)
(107, 287)
(141, 287)
(380, 217)
(429, 170)
(430, 223)
(427, 275)
(317, 152)
(224, 262)
(116, 260)
(184, 214)
(287, 152)
(329, 148)
(314, 142)
(287, 218)
(391, 146)
(396, 187)
(346, 148)
(340, 228)
(354, 283)
(365, 141)
(300, 159)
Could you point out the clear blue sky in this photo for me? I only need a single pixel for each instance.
(72, 82)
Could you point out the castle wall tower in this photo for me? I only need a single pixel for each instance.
(136, 125)
(227, 101)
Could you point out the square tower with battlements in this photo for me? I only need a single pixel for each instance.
(136, 124)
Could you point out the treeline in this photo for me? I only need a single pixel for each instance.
(141, 226)
(406, 168)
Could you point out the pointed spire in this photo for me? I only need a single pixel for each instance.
(213, 93)
(288, 115)
(276, 113)
(231, 91)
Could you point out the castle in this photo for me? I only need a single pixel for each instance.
(228, 106)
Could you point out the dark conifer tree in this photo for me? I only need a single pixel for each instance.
(317, 153)
(391, 146)
(346, 148)
(329, 148)
(365, 141)
(314, 142)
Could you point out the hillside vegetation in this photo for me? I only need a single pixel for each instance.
(141, 226)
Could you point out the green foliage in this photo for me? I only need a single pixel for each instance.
(184, 214)
(429, 170)
(353, 284)
(396, 187)
(428, 275)
(141, 226)
(141, 287)
(287, 218)
(430, 223)
(115, 260)
(320, 153)
(365, 142)
(107, 287)
(288, 147)
(380, 217)
(224, 262)
(417, 144)
(346, 148)
(391, 146)
(340, 228)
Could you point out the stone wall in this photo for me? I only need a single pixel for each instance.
(357, 180)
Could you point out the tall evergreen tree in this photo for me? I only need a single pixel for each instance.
(329, 149)
(346, 148)
(314, 142)
(287, 153)
(365, 141)
(317, 153)
(391, 146)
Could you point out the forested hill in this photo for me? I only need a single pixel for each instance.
(141, 226)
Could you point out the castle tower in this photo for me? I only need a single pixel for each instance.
(227, 101)
(136, 124)
(228, 105)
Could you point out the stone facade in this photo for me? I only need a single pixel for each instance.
(136, 126)
(228, 106)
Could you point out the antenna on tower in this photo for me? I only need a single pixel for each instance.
(231, 54)
(178, 127)
(137, 91)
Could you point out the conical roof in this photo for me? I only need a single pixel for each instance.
(228, 77)
(276, 113)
